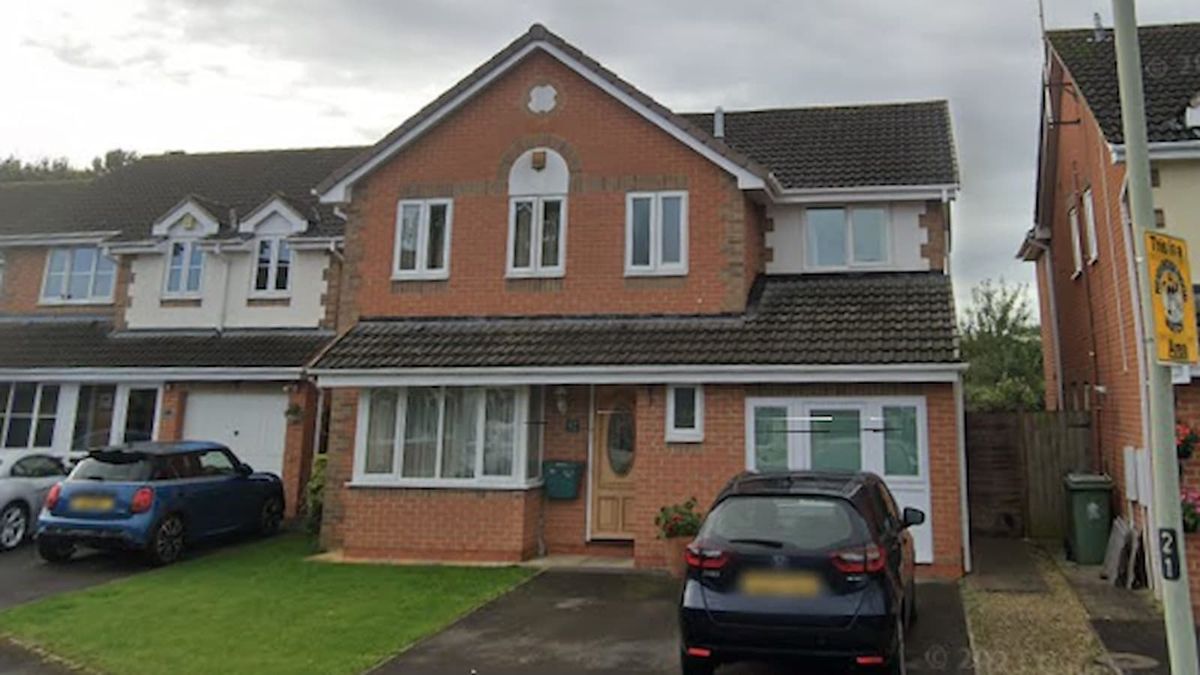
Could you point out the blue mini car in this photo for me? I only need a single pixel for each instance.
(156, 498)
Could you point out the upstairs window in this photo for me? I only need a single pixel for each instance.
(536, 236)
(273, 267)
(423, 239)
(656, 236)
(1089, 222)
(78, 275)
(846, 237)
(185, 269)
(1076, 247)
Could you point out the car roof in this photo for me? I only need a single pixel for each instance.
(165, 448)
(843, 484)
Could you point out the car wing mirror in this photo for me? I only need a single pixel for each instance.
(913, 517)
(245, 470)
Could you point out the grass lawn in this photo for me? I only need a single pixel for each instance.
(256, 608)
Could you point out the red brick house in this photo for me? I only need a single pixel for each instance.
(546, 264)
(1082, 246)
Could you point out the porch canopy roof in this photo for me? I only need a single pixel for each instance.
(79, 343)
(881, 319)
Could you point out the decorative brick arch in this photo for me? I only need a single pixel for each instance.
(519, 146)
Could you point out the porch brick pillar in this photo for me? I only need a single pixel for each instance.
(174, 405)
(298, 445)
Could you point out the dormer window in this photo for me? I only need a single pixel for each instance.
(537, 215)
(273, 267)
(846, 237)
(185, 269)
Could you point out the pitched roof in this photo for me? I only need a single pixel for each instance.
(36, 342)
(131, 198)
(847, 146)
(880, 318)
(1168, 83)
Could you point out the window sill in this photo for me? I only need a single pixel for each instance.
(69, 303)
(684, 437)
(1076, 274)
(1093, 261)
(180, 302)
(420, 276)
(656, 273)
(419, 484)
(269, 301)
(556, 274)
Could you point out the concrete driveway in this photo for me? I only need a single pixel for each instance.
(24, 577)
(624, 623)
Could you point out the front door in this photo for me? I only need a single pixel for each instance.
(614, 455)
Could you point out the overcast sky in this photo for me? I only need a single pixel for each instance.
(83, 77)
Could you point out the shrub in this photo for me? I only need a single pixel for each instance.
(314, 496)
(678, 520)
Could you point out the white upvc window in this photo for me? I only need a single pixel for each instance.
(272, 267)
(537, 236)
(423, 239)
(481, 437)
(78, 276)
(847, 237)
(1076, 247)
(1089, 221)
(656, 234)
(185, 269)
(685, 413)
(28, 413)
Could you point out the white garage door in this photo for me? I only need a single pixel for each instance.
(886, 436)
(251, 422)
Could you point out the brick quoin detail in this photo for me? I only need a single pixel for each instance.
(937, 233)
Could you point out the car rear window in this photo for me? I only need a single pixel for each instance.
(803, 522)
(114, 467)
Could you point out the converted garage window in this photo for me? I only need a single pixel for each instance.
(79, 275)
(451, 435)
(27, 414)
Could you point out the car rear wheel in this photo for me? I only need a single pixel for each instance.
(270, 516)
(55, 550)
(14, 526)
(166, 544)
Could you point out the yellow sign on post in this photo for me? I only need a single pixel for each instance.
(1171, 294)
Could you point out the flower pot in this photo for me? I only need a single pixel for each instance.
(675, 550)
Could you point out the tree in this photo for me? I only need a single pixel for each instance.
(13, 169)
(1003, 348)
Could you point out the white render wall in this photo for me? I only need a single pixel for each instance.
(1178, 195)
(231, 274)
(906, 237)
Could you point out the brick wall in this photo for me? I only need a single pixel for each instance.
(935, 220)
(23, 277)
(611, 151)
(1096, 329)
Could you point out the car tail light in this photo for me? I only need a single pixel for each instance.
(865, 560)
(701, 652)
(869, 660)
(143, 499)
(53, 495)
(699, 557)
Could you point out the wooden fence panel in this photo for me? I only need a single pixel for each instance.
(1015, 468)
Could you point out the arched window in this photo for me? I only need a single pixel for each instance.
(537, 214)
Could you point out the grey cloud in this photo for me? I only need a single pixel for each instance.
(75, 53)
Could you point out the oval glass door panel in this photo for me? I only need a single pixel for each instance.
(620, 442)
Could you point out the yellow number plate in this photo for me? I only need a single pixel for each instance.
(91, 503)
(794, 584)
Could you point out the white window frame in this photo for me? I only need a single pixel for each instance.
(273, 270)
(848, 225)
(422, 271)
(536, 268)
(1076, 246)
(1089, 221)
(35, 416)
(61, 298)
(189, 246)
(657, 267)
(514, 481)
(684, 435)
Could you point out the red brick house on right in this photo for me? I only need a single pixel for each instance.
(1082, 247)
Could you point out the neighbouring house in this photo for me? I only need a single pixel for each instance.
(180, 296)
(1082, 246)
(546, 264)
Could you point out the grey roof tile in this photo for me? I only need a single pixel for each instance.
(1171, 76)
(881, 318)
